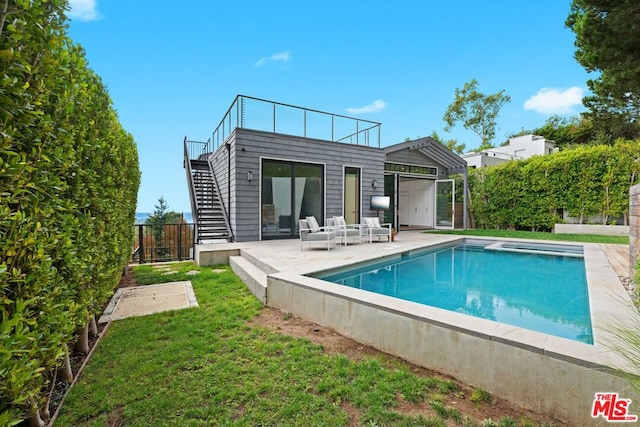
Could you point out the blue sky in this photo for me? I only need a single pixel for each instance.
(173, 68)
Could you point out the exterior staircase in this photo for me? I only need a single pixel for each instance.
(209, 214)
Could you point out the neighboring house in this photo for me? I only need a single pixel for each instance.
(270, 164)
(519, 147)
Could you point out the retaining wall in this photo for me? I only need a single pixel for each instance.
(607, 230)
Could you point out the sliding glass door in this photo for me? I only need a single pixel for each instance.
(445, 193)
(290, 191)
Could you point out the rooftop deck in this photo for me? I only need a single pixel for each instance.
(259, 114)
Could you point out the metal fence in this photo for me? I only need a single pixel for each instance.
(163, 242)
(268, 116)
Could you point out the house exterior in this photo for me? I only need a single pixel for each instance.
(417, 175)
(270, 164)
(519, 147)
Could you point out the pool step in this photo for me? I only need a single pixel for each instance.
(251, 275)
(538, 248)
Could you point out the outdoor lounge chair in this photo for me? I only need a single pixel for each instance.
(310, 232)
(343, 231)
(372, 227)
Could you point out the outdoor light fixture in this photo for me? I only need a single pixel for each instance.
(250, 176)
(374, 184)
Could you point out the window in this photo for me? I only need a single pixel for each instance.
(412, 169)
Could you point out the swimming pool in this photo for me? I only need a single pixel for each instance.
(541, 372)
(538, 287)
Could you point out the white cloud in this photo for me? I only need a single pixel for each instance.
(374, 107)
(83, 10)
(555, 101)
(283, 57)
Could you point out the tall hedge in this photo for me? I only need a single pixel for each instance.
(532, 194)
(69, 178)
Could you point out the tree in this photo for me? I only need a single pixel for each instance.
(451, 144)
(563, 131)
(607, 40)
(476, 111)
(162, 214)
(158, 221)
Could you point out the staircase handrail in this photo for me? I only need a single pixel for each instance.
(224, 208)
(192, 188)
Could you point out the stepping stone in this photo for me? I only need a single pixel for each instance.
(148, 299)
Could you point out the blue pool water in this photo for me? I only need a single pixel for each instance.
(541, 292)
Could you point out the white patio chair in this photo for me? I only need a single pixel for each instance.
(343, 231)
(311, 232)
(372, 227)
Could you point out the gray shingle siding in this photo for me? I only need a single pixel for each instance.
(249, 147)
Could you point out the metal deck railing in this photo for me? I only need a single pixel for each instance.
(259, 114)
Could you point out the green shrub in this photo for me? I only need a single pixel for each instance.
(532, 194)
(69, 177)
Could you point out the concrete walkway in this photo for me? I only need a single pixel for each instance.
(618, 256)
(149, 299)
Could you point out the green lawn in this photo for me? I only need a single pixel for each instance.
(208, 366)
(585, 238)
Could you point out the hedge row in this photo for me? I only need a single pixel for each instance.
(69, 178)
(531, 194)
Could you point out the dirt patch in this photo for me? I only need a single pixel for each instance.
(127, 278)
(334, 343)
(115, 418)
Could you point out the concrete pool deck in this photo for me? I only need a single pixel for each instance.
(544, 373)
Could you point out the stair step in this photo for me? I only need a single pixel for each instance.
(212, 231)
(251, 275)
(214, 237)
(199, 164)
